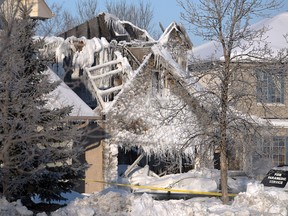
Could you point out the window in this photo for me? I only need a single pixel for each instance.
(159, 83)
(270, 86)
(276, 149)
(156, 81)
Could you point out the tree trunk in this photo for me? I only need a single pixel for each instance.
(223, 139)
(224, 176)
(5, 184)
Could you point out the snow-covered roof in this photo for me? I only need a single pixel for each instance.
(174, 27)
(175, 69)
(274, 36)
(64, 96)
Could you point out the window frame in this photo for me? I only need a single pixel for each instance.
(270, 86)
(276, 149)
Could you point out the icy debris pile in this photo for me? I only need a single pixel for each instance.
(205, 180)
(193, 180)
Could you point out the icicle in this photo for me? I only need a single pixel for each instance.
(98, 44)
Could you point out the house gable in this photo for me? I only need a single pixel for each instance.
(144, 113)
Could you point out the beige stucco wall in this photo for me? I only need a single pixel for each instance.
(264, 110)
(247, 85)
(94, 158)
(39, 9)
(93, 142)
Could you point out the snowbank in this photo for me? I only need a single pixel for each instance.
(257, 201)
(108, 202)
(14, 208)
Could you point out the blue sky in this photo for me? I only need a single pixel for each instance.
(165, 11)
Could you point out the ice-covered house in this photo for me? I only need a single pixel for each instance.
(267, 80)
(137, 86)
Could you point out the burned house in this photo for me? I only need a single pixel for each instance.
(137, 86)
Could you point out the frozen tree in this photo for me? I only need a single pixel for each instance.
(39, 148)
(230, 81)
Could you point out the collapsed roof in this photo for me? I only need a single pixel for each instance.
(110, 27)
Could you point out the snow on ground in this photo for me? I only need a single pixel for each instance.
(14, 208)
(257, 200)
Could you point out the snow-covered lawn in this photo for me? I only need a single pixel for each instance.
(257, 200)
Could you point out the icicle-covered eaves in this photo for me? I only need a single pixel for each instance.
(162, 56)
(135, 119)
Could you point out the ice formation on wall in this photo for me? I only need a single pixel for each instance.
(75, 53)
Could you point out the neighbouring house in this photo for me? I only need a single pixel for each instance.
(138, 87)
(267, 80)
(38, 8)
